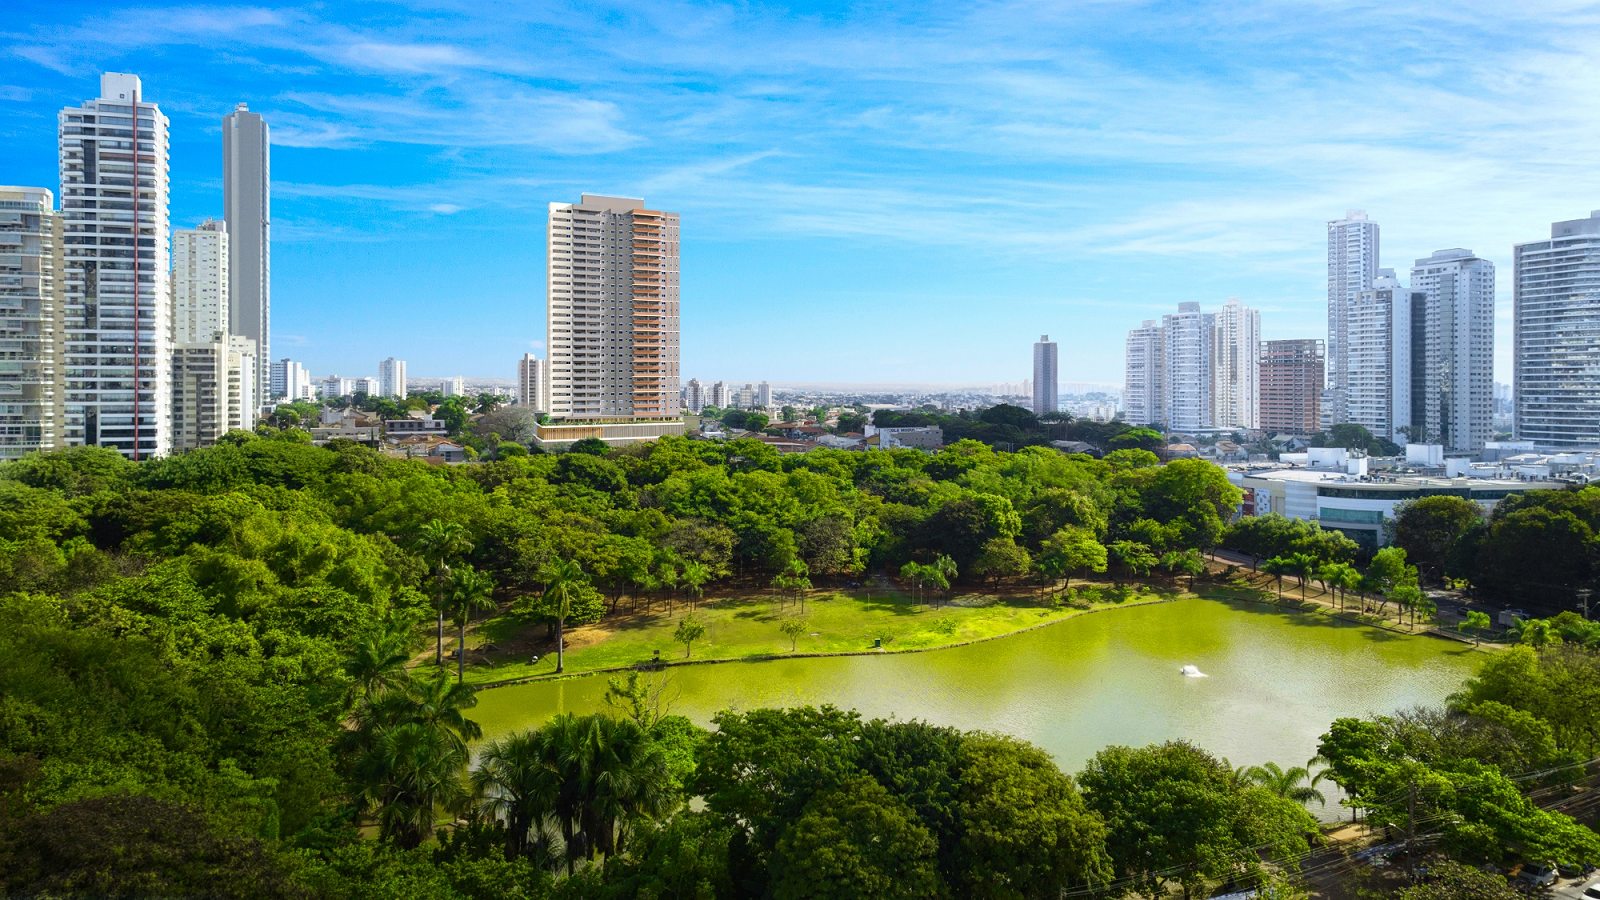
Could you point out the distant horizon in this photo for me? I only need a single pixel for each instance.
(900, 195)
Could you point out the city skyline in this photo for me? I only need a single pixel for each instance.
(799, 214)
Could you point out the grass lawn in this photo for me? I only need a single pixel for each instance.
(744, 626)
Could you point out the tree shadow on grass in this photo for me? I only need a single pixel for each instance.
(1291, 613)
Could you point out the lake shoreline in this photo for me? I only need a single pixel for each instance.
(653, 666)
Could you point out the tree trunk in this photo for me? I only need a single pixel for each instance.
(561, 648)
(438, 650)
(461, 664)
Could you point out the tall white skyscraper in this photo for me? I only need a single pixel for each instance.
(392, 378)
(613, 310)
(454, 386)
(1454, 399)
(763, 394)
(200, 282)
(533, 383)
(1145, 379)
(247, 207)
(290, 381)
(1046, 377)
(1236, 366)
(1352, 265)
(114, 206)
(1379, 355)
(1189, 343)
(1556, 336)
(719, 395)
(31, 309)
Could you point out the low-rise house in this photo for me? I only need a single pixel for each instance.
(450, 453)
(425, 424)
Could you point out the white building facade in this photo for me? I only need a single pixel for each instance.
(1556, 336)
(117, 358)
(1352, 266)
(1144, 374)
(533, 383)
(1453, 400)
(392, 378)
(1379, 358)
(31, 308)
(1187, 347)
(613, 310)
(694, 396)
(200, 282)
(1236, 364)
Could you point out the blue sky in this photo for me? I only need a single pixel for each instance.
(870, 192)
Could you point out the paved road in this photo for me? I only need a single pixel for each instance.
(1573, 890)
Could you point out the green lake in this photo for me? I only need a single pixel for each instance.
(1275, 679)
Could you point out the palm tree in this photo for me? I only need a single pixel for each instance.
(1302, 565)
(408, 775)
(440, 543)
(470, 591)
(1277, 566)
(434, 703)
(1290, 784)
(695, 576)
(611, 773)
(564, 584)
(516, 784)
(378, 664)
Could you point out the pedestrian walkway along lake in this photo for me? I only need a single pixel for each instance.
(1275, 680)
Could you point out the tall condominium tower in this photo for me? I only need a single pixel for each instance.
(392, 378)
(213, 390)
(1556, 336)
(30, 321)
(1188, 345)
(1045, 377)
(247, 205)
(694, 396)
(763, 394)
(533, 383)
(200, 282)
(1352, 265)
(290, 380)
(613, 310)
(1292, 378)
(1236, 366)
(1380, 358)
(719, 395)
(114, 207)
(1145, 380)
(1454, 400)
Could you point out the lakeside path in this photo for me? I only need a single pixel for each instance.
(848, 623)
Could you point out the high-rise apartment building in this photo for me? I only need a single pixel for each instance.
(763, 394)
(1046, 377)
(453, 387)
(719, 395)
(114, 207)
(1145, 379)
(745, 398)
(213, 390)
(1188, 345)
(1556, 336)
(1292, 379)
(1379, 345)
(533, 383)
(613, 310)
(247, 208)
(392, 378)
(200, 282)
(1454, 399)
(1352, 265)
(290, 381)
(1236, 366)
(694, 396)
(31, 264)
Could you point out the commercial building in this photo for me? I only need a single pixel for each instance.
(213, 390)
(290, 381)
(1236, 367)
(1145, 377)
(1292, 378)
(1046, 377)
(1556, 336)
(1334, 487)
(392, 378)
(613, 310)
(533, 383)
(1452, 402)
(114, 207)
(1352, 266)
(31, 264)
(247, 208)
(200, 282)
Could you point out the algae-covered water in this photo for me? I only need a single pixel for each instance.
(1274, 681)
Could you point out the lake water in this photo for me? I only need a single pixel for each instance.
(1275, 680)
